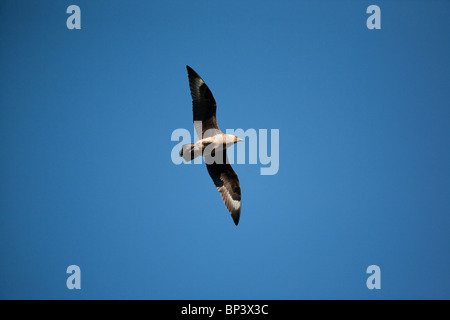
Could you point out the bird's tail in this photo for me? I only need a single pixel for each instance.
(190, 151)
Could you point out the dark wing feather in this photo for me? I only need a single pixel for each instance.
(227, 182)
(203, 106)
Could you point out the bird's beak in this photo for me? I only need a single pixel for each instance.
(239, 139)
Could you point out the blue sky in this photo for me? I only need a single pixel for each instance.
(86, 118)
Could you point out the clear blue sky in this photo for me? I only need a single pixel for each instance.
(86, 176)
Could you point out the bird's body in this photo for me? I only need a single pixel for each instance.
(212, 145)
(208, 147)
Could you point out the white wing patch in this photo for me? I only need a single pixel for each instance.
(231, 204)
(198, 82)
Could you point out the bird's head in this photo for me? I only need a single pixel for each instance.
(230, 139)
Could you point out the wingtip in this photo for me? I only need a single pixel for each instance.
(189, 69)
(191, 72)
(236, 217)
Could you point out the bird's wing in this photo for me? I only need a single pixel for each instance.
(227, 182)
(203, 106)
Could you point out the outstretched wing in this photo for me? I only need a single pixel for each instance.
(227, 182)
(203, 106)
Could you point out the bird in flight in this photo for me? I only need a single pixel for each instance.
(212, 145)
